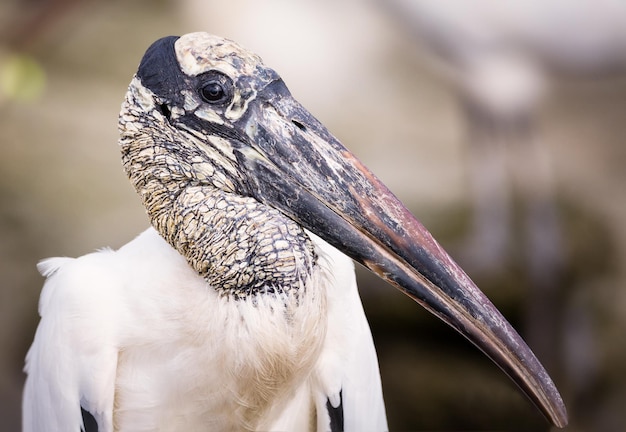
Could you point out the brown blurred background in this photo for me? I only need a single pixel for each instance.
(502, 128)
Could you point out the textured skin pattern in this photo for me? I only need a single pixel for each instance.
(239, 245)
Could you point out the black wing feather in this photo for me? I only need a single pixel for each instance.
(336, 414)
(89, 421)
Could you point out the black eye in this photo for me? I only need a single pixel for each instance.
(215, 88)
(213, 92)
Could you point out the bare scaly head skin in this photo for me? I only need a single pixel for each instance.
(198, 53)
(179, 152)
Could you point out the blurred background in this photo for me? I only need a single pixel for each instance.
(501, 126)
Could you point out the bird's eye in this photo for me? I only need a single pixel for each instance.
(213, 92)
(215, 88)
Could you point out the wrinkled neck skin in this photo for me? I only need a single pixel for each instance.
(238, 245)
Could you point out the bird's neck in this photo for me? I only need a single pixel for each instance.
(240, 246)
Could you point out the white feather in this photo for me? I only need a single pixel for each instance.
(138, 339)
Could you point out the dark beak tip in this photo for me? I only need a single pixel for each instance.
(562, 420)
(558, 415)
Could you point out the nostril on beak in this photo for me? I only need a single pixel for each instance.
(298, 125)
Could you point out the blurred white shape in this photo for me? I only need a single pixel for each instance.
(583, 36)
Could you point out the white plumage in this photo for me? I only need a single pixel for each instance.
(138, 330)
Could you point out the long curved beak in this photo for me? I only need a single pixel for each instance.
(301, 169)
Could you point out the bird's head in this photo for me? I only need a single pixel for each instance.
(202, 112)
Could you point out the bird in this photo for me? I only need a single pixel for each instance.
(238, 308)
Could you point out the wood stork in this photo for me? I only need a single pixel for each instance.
(235, 311)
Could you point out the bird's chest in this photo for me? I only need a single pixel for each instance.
(209, 362)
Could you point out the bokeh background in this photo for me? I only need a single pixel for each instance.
(502, 127)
